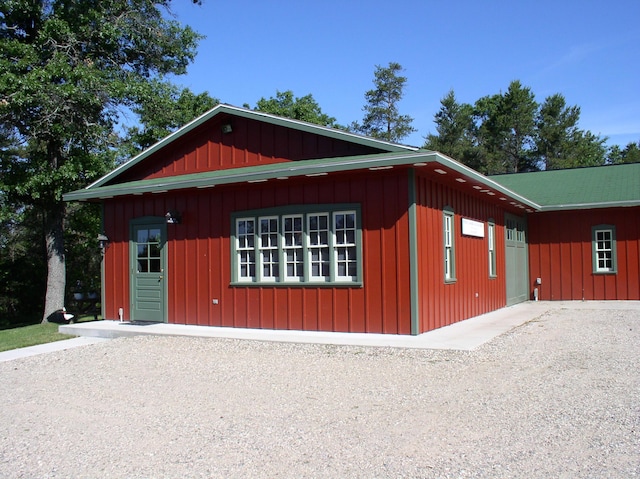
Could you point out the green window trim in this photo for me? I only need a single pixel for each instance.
(303, 245)
(449, 244)
(491, 247)
(604, 249)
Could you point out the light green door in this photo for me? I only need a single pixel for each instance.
(148, 261)
(517, 259)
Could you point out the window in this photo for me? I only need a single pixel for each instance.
(449, 245)
(245, 243)
(268, 247)
(491, 237)
(604, 249)
(319, 245)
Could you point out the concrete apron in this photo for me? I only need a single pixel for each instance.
(464, 336)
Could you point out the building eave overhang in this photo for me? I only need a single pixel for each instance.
(590, 206)
(292, 169)
(259, 116)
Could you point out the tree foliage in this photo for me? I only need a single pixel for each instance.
(511, 132)
(298, 108)
(67, 67)
(162, 112)
(382, 118)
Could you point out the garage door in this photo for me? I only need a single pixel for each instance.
(517, 271)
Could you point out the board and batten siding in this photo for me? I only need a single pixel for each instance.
(199, 257)
(560, 254)
(473, 292)
(251, 143)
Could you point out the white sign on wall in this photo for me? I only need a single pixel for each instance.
(472, 228)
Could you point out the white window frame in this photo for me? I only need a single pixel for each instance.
(293, 247)
(448, 228)
(491, 239)
(246, 251)
(319, 247)
(292, 259)
(268, 268)
(604, 249)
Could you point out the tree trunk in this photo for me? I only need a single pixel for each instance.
(56, 274)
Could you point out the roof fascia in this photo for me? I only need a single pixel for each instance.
(254, 115)
(590, 206)
(255, 174)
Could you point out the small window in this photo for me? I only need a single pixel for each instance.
(604, 249)
(449, 245)
(491, 237)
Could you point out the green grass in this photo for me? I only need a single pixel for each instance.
(35, 334)
(30, 336)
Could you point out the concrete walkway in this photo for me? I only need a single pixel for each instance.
(465, 336)
(48, 348)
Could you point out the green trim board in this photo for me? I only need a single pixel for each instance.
(259, 116)
(290, 169)
(413, 256)
(578, 188)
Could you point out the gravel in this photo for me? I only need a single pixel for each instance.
(556, 397)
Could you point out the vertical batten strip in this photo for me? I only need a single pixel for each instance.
(413, 254)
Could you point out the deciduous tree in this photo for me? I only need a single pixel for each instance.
(66, 68)
(298, 108)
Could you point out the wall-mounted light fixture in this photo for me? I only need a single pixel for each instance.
(173, 217)
(227, 128)
(103, 242)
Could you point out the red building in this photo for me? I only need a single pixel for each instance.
(244, 219)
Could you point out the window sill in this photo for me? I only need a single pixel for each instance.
(316, 284)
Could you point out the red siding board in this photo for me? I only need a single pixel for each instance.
(441, 303)
(561, 254)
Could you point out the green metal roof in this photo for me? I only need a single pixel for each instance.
(281, 171)
(259, 116)
(580, 188)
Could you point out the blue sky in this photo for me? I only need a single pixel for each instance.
(586, 50)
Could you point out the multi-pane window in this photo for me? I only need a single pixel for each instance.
(268, 247)
(604, 249)
(148, 241)
(245, 248)
(292, 247)
(318, 245)
(345, 245)
(311, 247)
(449, 246)
(491, 237)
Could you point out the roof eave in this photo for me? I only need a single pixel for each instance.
(290, 169)
(590, 206)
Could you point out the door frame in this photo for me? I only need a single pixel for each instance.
(146, 221)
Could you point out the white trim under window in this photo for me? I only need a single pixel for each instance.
(319, 244)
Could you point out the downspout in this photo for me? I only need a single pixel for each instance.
(413, 254)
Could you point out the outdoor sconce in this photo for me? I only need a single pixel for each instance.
(103, 242)
(227, 128)
(173, 217)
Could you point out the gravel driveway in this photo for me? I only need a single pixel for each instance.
(556, 397)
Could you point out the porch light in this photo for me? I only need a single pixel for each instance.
(227, 128)
(173, 217)
(103, 242)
